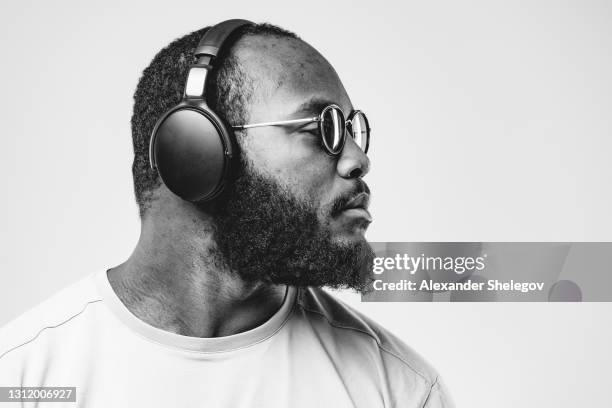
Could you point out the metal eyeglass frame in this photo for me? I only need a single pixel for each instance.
(319, 119)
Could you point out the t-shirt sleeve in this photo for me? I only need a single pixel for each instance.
(439, 396)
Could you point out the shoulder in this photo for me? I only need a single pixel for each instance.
(407, 372)
(55, 315)
(342, 317)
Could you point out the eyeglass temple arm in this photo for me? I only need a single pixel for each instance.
(282, 122)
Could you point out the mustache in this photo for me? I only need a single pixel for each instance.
(341, 202)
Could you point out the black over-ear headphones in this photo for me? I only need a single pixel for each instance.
(191, 147)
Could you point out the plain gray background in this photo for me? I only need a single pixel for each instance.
(491, 122)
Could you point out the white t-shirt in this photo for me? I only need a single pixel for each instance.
(314, 352)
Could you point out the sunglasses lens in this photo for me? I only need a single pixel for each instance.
(360, 130)
(332, 129)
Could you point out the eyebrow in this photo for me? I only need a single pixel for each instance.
(313, 105)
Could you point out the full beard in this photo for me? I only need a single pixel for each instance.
(265, 234)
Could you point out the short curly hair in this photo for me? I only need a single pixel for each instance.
(228, 92)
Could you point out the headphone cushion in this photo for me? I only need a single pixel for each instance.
(191, 153)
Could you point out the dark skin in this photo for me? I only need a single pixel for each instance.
(174, 280)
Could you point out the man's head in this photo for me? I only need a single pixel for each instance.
(283, 216)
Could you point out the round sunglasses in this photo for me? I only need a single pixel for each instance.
(332, 128)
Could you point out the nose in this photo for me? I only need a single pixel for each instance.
(353, 162)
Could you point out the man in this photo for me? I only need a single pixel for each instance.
(220, 303)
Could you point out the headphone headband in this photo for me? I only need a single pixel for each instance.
(216, 36)
(207, 49)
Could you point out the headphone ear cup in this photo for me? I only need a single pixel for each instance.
(191, 149)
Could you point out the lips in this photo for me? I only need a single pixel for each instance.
(361, 200)
(357, 208)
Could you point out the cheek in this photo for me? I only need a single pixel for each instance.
(308, 179)
(297, 163)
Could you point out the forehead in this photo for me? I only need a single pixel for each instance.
(288, 76)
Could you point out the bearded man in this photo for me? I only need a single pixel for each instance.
(220, 303)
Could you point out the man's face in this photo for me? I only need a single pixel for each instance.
(286, 216)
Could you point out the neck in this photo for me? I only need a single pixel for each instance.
(176, 281)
